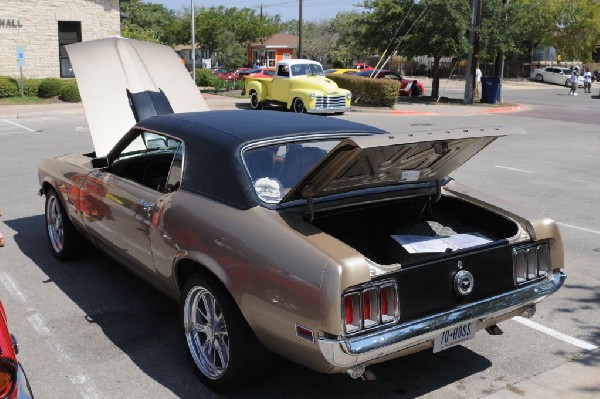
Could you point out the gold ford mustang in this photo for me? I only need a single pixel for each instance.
(331, 243)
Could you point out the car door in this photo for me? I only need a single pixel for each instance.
(280, 86)
(121, 200)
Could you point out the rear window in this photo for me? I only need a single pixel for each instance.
(275, 169)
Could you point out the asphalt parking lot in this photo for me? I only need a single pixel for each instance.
(91, 329)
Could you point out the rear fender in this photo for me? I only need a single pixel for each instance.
(259, 87)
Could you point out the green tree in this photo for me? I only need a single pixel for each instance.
(348, 29)
(245, 25)
(436, 28)
(230, 54)
(148, 22)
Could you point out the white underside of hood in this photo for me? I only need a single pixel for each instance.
(105, 69)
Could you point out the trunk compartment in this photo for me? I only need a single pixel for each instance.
(369, 228)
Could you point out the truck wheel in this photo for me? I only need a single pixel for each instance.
(254, 103)
(65, 241)
(222, 346)
(298, 106)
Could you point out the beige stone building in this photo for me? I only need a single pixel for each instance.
(37, 31)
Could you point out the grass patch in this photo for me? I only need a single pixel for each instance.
(26, 100)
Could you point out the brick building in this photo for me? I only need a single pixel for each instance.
(39, 29)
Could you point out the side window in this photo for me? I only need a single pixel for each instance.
(147, 160)
(282, 70)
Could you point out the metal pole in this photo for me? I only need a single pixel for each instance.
(21, 90)
(501, 66)
(300, 55)
(470, 64)
(193, 42)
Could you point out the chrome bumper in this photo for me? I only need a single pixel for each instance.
(327, 110)
(349, 352)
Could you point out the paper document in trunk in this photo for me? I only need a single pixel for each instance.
(392, 159)
(105, 69)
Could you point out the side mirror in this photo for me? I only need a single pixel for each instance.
(100, 163)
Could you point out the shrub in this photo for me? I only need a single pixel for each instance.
(204, 77)
(369, 91)
(239, 84)
(50, 87)
(31, 87)
(70, 92)
(8, 87)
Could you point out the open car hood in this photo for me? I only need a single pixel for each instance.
(107, 68)
(392, 159)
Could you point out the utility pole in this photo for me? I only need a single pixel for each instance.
(193, 42)
(300, 55)
(473, 49)
(501, 65)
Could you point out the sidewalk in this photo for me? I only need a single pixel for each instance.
(576, 379)
(223, 102)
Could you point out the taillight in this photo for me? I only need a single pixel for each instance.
(8, 377)
(374, 305)
(352, 312)
(530, 262)
(370, 307)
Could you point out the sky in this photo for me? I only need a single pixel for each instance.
(312, 10)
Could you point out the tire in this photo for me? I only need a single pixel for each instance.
(254, 103)
(298, 106)
(65, 241)
(539, 77)
(221, 345)
(568, 83)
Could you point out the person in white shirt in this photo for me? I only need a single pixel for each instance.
(587, 81)
(574, 81)
(477, 80)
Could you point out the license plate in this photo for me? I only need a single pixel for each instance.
(454, 336)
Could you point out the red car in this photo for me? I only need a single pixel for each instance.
(224, 74)
(406, 83)
(13, 383)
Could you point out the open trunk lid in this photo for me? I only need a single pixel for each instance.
(393, 159)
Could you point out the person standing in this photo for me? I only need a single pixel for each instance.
(587, 81)
(477, 80)
(574, 81)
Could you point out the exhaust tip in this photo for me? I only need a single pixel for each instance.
(356, 371)
(494, 330)
(529, 311)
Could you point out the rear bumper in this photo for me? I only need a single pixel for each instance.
(349, 352)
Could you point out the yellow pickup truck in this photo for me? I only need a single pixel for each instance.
(299, 85)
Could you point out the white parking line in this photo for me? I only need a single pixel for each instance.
(84, 385)
(515, 169)
(580, 228)
(553, 333)
(18, 125)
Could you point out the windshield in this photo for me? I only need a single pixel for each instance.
(306, 69)
(277, 168)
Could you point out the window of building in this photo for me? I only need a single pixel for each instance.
(69, 32)
(271, 58)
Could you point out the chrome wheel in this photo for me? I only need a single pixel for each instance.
(539, 77)
(206, 332)
(55, 224)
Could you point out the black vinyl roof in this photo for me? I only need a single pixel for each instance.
(213, 140)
